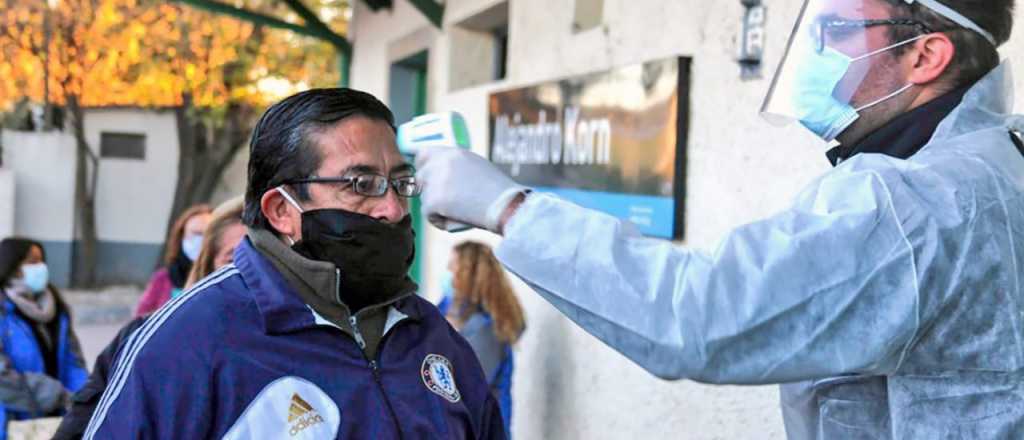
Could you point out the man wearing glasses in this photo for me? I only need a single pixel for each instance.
(889, 299)
(315, 331)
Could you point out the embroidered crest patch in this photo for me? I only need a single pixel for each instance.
(438, 377)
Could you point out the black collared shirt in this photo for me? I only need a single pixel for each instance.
(907, 134)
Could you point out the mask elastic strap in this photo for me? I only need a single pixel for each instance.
(292, 201)
(888, 48)
(956, 17)
(884, 98)
(289, 198)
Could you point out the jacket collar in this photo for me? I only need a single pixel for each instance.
(905, 135)
(281, 308)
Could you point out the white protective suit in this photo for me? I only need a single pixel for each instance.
(888, 298)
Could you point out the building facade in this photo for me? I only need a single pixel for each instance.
(138, 155)
(567, 384)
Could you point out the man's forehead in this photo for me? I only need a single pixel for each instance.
(360, 144)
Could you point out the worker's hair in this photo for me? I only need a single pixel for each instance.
(975, 56)
(480, 283)
(283, 145)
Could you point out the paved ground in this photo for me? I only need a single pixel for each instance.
(98, 315)
(95, 337)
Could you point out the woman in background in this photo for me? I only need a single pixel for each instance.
(41, 364)
(224, 232)
(182, 248)
(480, 304)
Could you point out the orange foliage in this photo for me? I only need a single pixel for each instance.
(148, 53)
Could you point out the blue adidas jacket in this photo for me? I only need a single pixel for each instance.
(22, 349)
(240, 356)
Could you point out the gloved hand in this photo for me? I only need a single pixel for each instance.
(459, 186)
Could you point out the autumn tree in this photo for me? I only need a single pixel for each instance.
(50, 52)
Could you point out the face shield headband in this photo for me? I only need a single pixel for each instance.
(955, 17)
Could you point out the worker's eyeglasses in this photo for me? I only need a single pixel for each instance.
(370, 185)
(838, 29)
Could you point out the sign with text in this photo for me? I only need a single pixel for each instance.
(612, 141)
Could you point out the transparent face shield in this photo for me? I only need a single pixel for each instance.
(821, 79)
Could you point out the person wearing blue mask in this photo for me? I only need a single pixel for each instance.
(184, 242)
(41, 364)
(887, 299)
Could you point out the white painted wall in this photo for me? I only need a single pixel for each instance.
(44, 173)
(567, 384)
(134, 197)
(6, 202)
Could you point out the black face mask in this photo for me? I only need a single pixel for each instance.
(373, 257)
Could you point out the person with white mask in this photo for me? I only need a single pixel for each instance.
(41, 363)
(887, 299)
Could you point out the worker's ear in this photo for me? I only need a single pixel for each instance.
(284, 217)
(930, 58)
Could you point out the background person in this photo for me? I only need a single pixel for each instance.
(224, 232)
(41, 364)
(182, 248)
(480, 304)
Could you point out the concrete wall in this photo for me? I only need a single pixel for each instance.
(6, 202)
(43, 165)
(567, 384)
(133, 197)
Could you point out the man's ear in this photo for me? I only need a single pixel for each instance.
(932, 58)
(281, 215)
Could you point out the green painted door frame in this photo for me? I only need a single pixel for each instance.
(419, 108)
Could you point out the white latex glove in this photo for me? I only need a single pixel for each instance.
(459, 186)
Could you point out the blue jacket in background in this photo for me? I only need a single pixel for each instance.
(241, 356)
(25, 355)
(500, 377)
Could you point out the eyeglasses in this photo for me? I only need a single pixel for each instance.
(370, 185)
(838, 29)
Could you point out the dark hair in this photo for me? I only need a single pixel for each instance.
(12, 252)
(282, 146)
(975, 56)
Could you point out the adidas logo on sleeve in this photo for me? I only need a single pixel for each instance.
(301, 415)
(290, 408)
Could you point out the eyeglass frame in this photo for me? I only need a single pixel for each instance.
(821, 24)
(350, 180)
